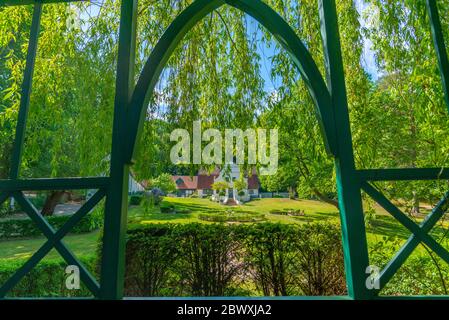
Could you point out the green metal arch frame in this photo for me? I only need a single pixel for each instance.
(130, 102)
(266, 16)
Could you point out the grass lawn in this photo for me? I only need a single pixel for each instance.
(383, 226)
(315, 210)
(80, 244)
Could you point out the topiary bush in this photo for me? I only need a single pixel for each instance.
(167, 207)
(135, 199)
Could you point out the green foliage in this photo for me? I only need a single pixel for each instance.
(25, 227)
(289, 260)
(167, 207)
(219, 260)
(38, 201)
(165, 183)
(220, 186)
(135, 199)
(150, 256)
(149, 201)
(47, 279)
(6, 210)
(422, 273)
(240, 184)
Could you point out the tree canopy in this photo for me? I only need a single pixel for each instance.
(229, 73)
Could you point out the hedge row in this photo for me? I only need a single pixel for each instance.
(18, 228)
(211, 260)
(47, 279)
(288, 212)
(227, 260)
(232, 217)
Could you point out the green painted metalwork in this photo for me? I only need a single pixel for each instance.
(26, 92)
(54, 184)
(403, 174)
(350, 201)
(407, 249)
(130, 105)
(269, 19)
(62, 249)
(52, 242)
(420, 233)
(440, 47)
(113, 263)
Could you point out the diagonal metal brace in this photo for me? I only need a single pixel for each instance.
(420, 232)
(55, 240)
(4, 196)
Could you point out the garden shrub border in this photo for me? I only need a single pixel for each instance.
(47, 279)
(25, 227)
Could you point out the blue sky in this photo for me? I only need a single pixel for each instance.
(367, 60)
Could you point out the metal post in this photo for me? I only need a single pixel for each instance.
(26, 92)
(116, 211)
(349, 189)
(438, 39)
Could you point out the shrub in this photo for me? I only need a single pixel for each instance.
(155, 196)
(272, 258)
(292, 260)
(421, 274)
(150, 255)
(232, 217)
(167, 207)
(47, 279)
(151, 199)
(218, 260)
(183, 211)
(6, 210)
(135, 200)
(278, 212)
(16, 228)
(288, 212)
(320, 261)
(210, 259)
(39, 200)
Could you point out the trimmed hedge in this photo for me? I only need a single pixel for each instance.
(210, 260)
(47, 279)
(135, 200)
(233, 217)
(167, 207)
(288, 212)
(18, 228)
(234, 260)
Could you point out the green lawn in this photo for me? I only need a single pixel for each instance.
(81, 244)
(314, 210)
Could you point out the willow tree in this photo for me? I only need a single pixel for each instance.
(304, 164)
(406, 117)
(69, 126)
